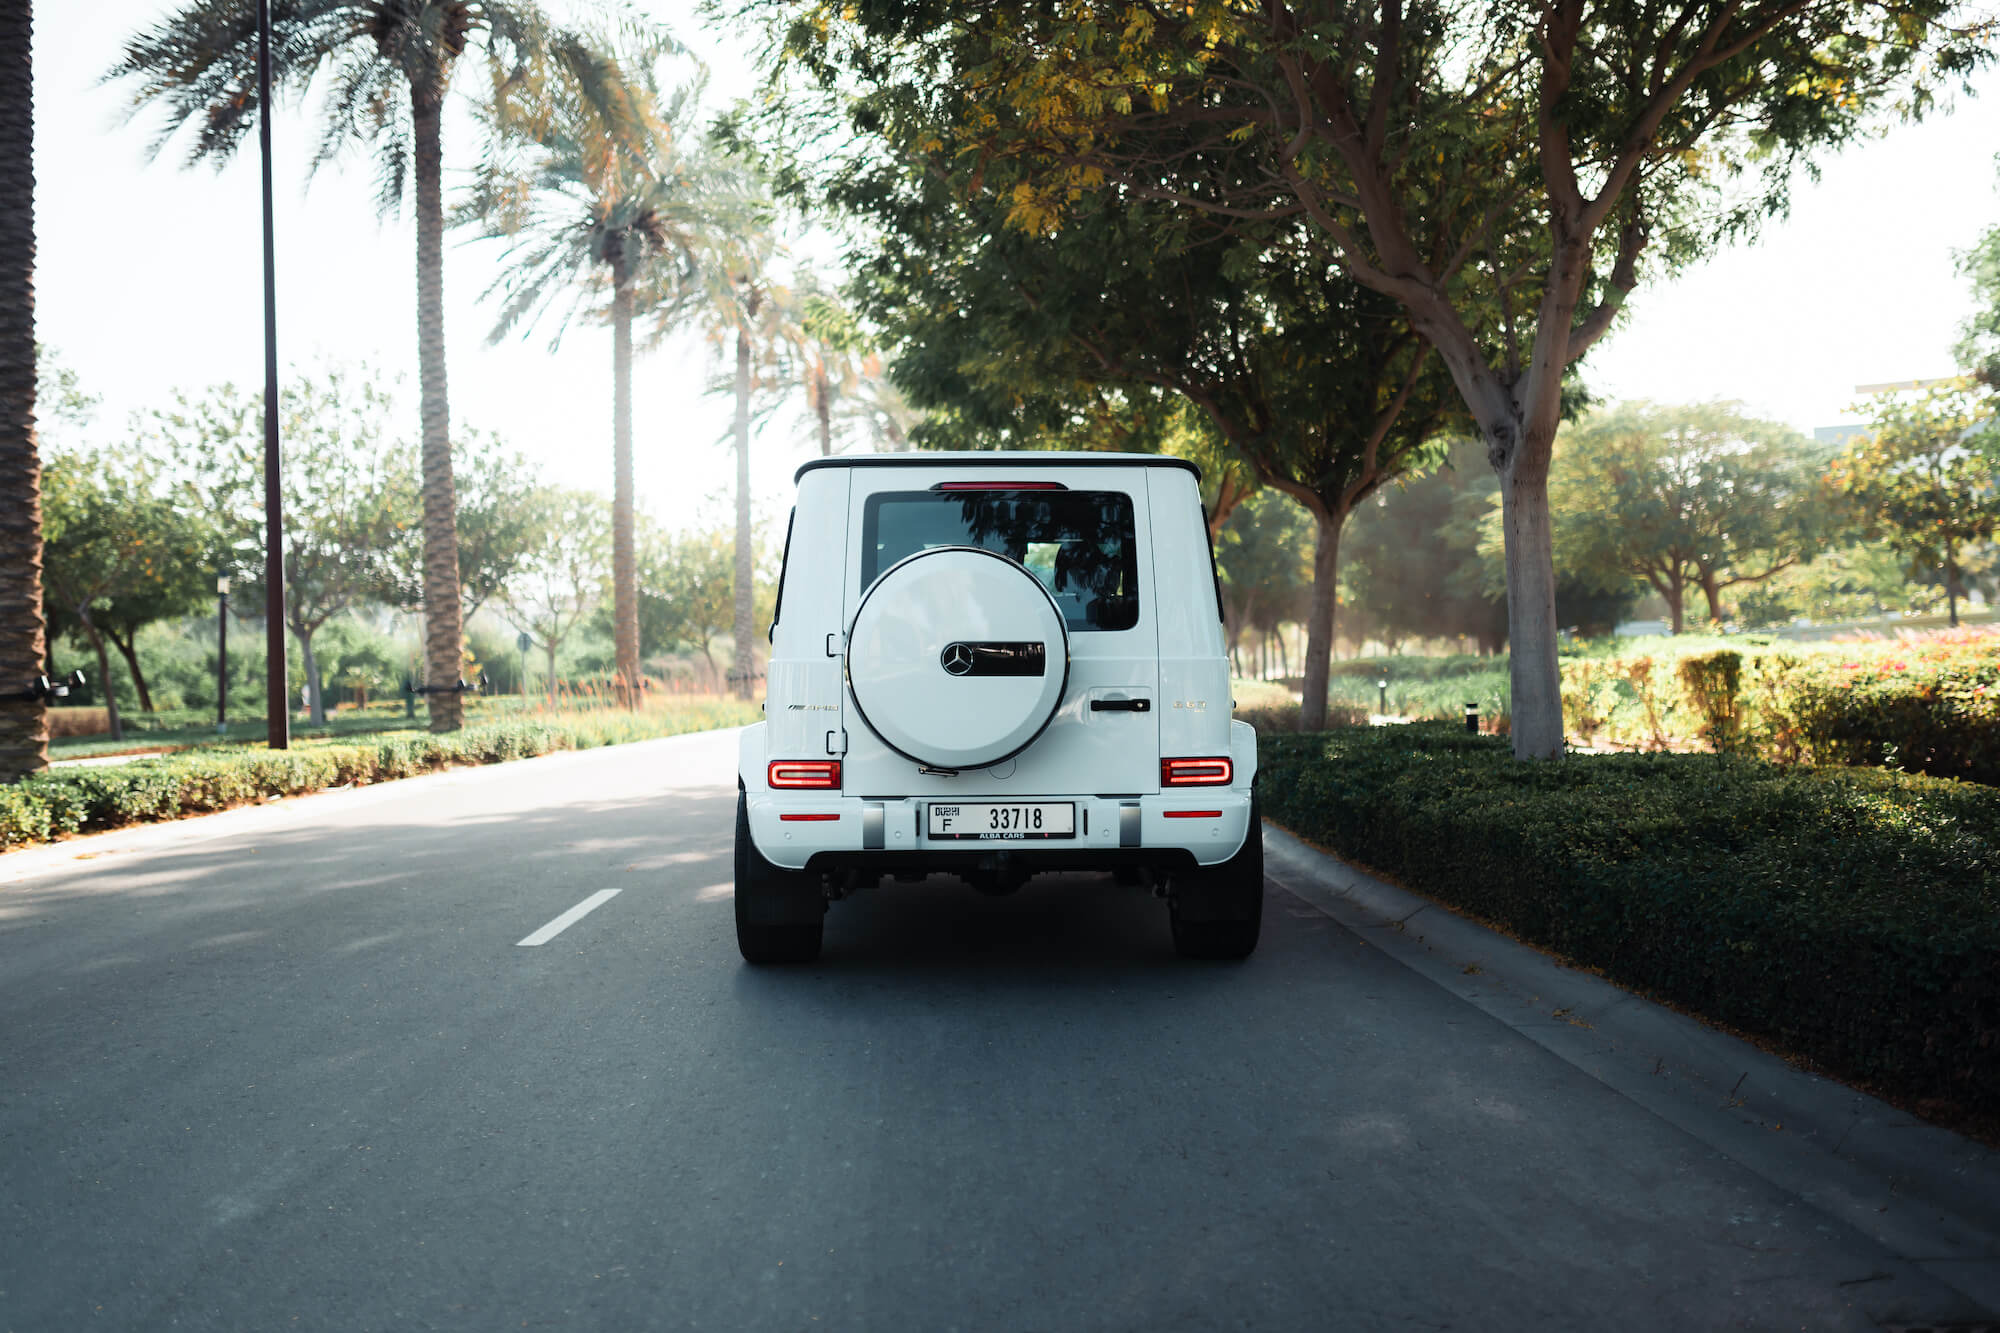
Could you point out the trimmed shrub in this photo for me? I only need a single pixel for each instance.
(77, 800)
(1850, 915)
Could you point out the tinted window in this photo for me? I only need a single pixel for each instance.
(1080, 544)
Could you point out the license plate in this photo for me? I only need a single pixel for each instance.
(1003, 822)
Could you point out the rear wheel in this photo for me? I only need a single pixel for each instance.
(779, 913)
(1218, 911)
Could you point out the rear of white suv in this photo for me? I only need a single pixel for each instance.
(996, 665)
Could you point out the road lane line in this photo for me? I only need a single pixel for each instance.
(569, 918)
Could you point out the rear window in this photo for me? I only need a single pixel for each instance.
(1080, 544)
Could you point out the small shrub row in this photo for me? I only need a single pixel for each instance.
(81, 800)
(1850, 915)
(1930, 706)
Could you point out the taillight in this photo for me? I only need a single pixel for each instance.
(1187, 814)
(804, 774)
(1196, 772)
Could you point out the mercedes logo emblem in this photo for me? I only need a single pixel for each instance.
(957, 658)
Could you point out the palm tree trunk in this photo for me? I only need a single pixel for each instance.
(823, 409)
(127, 649)
(442, 614)
(746, 653)
(24, 727)
(624, 559)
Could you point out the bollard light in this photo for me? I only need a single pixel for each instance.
(1382, 696)
(1472, 718)
(221, 654)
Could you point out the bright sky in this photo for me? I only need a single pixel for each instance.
(148, 279)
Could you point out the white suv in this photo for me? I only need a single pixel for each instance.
(994, 665)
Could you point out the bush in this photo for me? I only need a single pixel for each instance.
(1850, 915)
(78, 800)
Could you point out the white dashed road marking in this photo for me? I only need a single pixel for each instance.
(569, 918)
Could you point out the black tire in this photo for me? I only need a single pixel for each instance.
(779, 913)
(1218, 911)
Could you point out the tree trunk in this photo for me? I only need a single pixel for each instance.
(1675, 594)
(550, 649)
(624, 558)
(24, 726)
(104, 681)
(1951, 584)
(746, 653)
(1320, 621)
(127, 650)
(316, 713)
(823, 409)
(1534, 669)
(1713, 593)
(443, 628)
(897, 444)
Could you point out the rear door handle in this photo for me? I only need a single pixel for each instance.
(1121, 705)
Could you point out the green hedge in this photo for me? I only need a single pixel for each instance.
(1850, 915)
(81, 800)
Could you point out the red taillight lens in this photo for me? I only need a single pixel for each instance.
(804, 774)
(808, 819)
(999, 486)
(1196, 772)
(1192, 814)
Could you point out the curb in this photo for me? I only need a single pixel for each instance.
(1927, 1195)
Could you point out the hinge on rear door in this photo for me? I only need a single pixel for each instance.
(836, 742)
(836, 644)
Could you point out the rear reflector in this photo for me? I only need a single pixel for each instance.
(813, 774)
(807, 819)
(1196, 772)
(1178, 814)
(999, 486)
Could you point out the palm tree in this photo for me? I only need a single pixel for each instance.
(24, 730)
(389, 63)
(611, 210)
(746, 307)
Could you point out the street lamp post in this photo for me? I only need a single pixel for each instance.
(221, 654)
(277, 706)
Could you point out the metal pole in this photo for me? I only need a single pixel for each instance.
(221, 656)
(277, 696)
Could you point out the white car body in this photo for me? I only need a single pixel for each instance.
(1146, 680)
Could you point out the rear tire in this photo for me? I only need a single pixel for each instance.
(780, 913)
(1218, 911)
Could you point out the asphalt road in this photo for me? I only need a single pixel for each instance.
(291, 1068)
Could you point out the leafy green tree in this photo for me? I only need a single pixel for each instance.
(496, 524)
(24, 730)
(1314, 384)
(1414, 568)
(1979, 340)
(1267, 576)
(111, 536)
(1926, 479)
(687, 592)
(614, 210)
(1691, 499)
(1500, 173)
(556, 587)
(350, 495)
(385, 67)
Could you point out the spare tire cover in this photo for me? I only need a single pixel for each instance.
(958, 657)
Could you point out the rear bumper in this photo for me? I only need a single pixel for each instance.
(889, 834)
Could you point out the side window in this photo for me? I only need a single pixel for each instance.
(1214, 572)
(784, 564)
